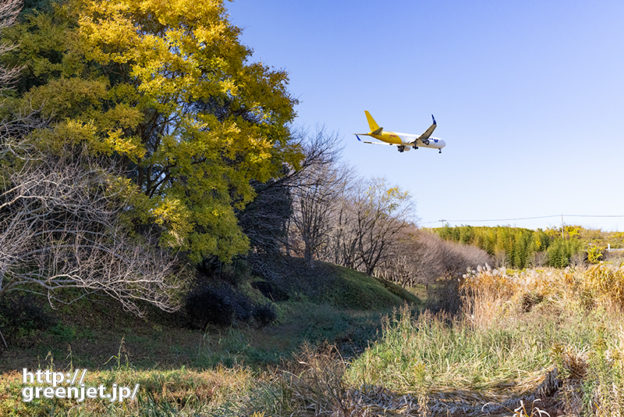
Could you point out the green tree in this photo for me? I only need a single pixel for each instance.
(516, 245)
(560, 252)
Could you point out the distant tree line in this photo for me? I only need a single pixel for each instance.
(521, 248)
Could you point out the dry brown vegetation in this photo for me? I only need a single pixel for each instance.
(421, 257)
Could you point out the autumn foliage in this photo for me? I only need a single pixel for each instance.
(167, 90)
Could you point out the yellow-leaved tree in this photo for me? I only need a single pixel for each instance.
(167, 90)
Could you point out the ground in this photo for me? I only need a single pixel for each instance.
(97, 335)
(523, 342)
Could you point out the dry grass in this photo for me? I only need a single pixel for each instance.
(184, 391)
(550, 335)
(607, 282)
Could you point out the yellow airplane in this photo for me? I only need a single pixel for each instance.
(403, 141)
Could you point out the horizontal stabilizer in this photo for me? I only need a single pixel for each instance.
(377, 131)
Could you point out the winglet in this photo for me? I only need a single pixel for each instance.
(434, 122)
(358, 138)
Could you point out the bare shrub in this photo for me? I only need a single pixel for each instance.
(448, 258)
(422, 257)
(62, 227)
(62, 220)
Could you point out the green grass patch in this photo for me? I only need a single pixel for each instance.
(355, 290)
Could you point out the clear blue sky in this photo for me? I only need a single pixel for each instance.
(529, 96)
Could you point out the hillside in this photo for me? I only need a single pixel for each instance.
(326, 304)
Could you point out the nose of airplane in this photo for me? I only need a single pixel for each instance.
(441, 143)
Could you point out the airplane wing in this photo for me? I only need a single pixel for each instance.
(371, 142)
(427, 132)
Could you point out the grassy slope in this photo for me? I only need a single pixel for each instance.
(92, 332)
(356, 290)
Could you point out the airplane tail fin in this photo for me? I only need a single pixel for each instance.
(371, 122)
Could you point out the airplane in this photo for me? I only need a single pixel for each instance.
(403, 141)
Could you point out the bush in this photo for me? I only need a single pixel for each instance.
(21, 317)
(264, 314)
(234, 273)
(595, 254)
(218, 303)
(210, 306)
(270, 290)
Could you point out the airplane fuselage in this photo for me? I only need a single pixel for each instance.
(405, 139)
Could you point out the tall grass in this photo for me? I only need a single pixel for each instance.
(516, 330)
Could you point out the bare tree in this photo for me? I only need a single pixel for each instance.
(316, 190)
(404, 258)
(381, 213)
(268, 220)
(315, 205)
(61, 227)
(343, 237)
(366, 224)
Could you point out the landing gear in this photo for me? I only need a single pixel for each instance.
(415, 147)
(401, 148)
(439, 150)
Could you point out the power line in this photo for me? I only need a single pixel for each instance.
(590, 215)
(525, 218)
